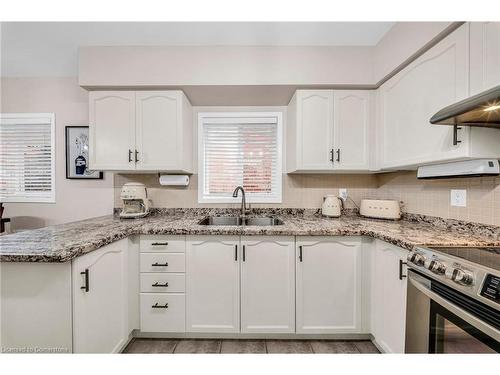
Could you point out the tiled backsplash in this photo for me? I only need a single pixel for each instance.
(429, 197)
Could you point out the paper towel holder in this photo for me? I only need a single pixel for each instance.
(173, 179)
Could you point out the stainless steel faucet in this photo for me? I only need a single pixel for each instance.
(243, 200)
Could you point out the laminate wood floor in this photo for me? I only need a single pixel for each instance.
(173, 346)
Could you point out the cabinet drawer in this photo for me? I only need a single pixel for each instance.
(154, 283)
(169, 319)
(162, 262)
(164, 244)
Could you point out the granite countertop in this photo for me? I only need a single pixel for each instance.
(61, 243)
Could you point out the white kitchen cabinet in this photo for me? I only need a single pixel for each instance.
(328, 288)
(164, 131)
(162, 283)
(310, 130)
(267, 284)
(408, 100)
(484, 56)
(144, 131)
(212, 284)
(100, 299)
(388, 297)
(351, 129)
(327, 131)
(112, 130)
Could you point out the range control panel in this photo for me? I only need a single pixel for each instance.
(491, 288)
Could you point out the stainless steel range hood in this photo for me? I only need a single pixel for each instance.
(479, 110)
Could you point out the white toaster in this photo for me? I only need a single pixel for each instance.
(380, 209)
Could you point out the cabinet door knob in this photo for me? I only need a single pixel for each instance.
(157, 306)
(456, 141)
(86, 277)
(156, 264)
(401, 263)
(157, 284)
(159, 244)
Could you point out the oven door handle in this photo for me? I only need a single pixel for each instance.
(423, 286)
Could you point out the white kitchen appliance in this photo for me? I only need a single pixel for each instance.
(467, 168)
(332, 206)
(135, 200)
(380, 209)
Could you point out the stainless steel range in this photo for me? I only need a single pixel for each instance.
(453, 300)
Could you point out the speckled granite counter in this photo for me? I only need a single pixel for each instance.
(62, 243)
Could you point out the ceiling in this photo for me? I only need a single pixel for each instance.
(34, 49)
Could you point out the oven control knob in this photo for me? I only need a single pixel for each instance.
(460, 276)
(435, 266)
(416, 258)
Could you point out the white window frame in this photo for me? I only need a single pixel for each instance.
(279, 160)
(36, 119)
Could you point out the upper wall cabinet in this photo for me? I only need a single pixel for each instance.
(327, 131)
(141, 131)
(408, 100)
(484, 56)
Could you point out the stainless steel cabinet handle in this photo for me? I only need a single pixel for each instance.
(235, 253)
(159, 244)
(338, 155)
(136, 156)
(300, 253)
(160, 264)
(86, 275)
(156, 306)
(331, 155)
(244, 255)
(129, 155)
(157, 284)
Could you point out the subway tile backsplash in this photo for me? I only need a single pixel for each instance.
(427, 197)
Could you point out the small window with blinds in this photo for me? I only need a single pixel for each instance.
(27, 157)
(239, 149)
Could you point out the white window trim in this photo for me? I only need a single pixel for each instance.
(202, 117)
(37, 118)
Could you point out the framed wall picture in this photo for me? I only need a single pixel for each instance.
(77, 154)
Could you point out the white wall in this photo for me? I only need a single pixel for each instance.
(75, 199)
(402, 41)
(223, 65)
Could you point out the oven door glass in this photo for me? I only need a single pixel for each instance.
(451, 334)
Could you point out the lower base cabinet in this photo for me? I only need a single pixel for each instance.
(212, 284)
(100, 299)
(250, 285)
(162, 284)
(329, 285)
(162, 312)
(388, 297)
(268, 284)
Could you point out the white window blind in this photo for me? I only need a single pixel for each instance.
(240, 149)
(27, 157)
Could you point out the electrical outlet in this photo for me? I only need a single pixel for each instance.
(343, 194)
(458, 197)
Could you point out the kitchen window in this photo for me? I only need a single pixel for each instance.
(239, 149)
(27, 157)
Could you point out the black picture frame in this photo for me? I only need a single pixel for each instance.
(72, 174)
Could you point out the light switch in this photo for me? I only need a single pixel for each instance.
(458, 197)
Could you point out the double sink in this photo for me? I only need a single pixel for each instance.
(240, 221)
